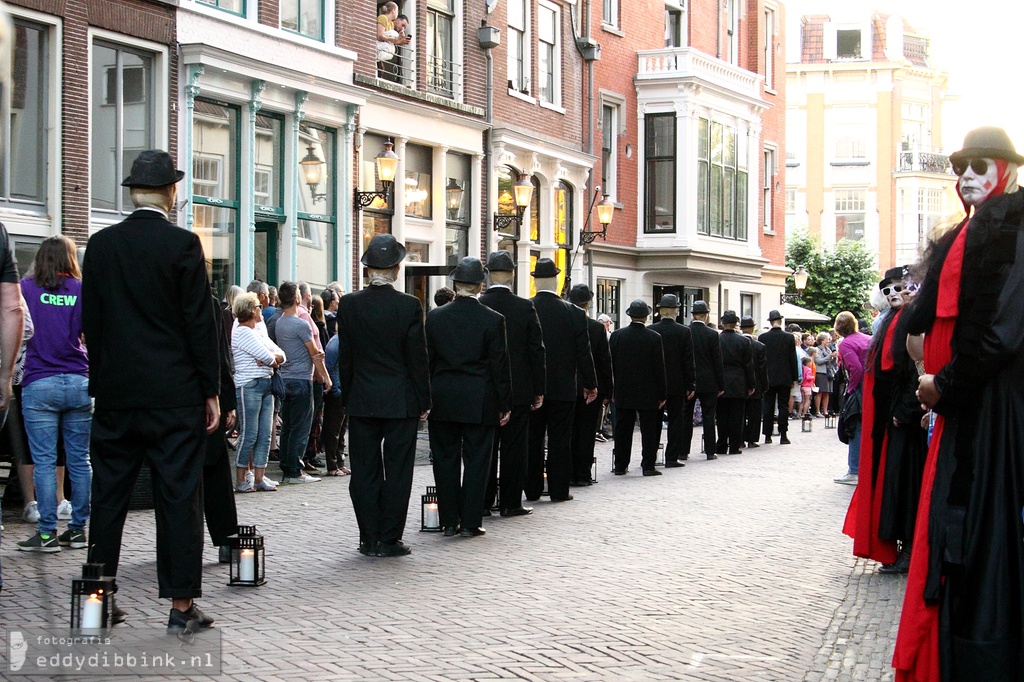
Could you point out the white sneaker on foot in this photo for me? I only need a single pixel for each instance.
(265, 486)
(848, 479)
(64, 510)
(250, 476)
(301, 478)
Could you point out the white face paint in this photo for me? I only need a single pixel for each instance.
(975, 188)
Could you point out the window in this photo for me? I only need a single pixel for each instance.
(267, 156)
(549, 60)
(533, 211)
(850, 142)
(675, 23)
(121, 121)
(233, 6)
(609, 148)
(849, 213)
(305, 17)
(563, 229)
(458, 203)
(769, 48)
(418, 189)
(441, 67)
(660, 173)
(732, 31)
(848, 44)
(790, 200)
(215, 188)
(746, 305)
(610, 14)
(770, 169)
(507, 177)
(608, 298)
(377, 216)
(721, 182)
(931, 207)
(518, 47)
(23, 167)
(315, 249)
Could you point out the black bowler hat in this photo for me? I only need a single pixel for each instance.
(774, 315)
(669, 301)
(987, 142)
(893, 275)
(730, 317)
(153, 168)
(383, 252)
(545, 268)
(700, 308)
(747, 321)
(469, 271)
(500, 261)
(580, 293)
(638, 308)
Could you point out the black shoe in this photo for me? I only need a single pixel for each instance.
(224, 554)
(784, 441)
(735, 452)
(767, 440)
(752, 444)
(531, 499)
(487, 512)
(117, 614)
(274, 456)
(191, 620)
(309, 467)
(390, 549)
(712, 456)
(472, 532)
(560, 499)
(901, 565)
(652, 472)
(521, 511)
(451, 531)
(674, 465)
(619, 472)
(366, 548)
(607, 434)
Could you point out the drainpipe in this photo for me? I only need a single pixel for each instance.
(489, 37)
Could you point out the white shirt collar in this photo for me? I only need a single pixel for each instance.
(155, 210)
(499, 286)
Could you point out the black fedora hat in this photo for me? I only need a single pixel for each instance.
(545, 268)
(893, 275)
(580, 293)
(774, 315)
(730, 317)
(638, 308)
(987, 142)
(500, 261)
(153, 168)
(747, 321)
(699, 308)
(469, 271)
(383, 252)
(668, 301)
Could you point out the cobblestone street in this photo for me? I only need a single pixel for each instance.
(726, 570)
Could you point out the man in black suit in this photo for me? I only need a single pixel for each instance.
(587, 415)
(707, 360)
(152, 335)
(526, 361)
(638, 362)
(783, 372)
(752, 411)
(567, 350)
(677, 341)
(385, 386)
(738, 371)
(472, 389)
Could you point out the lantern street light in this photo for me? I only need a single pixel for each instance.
(605, 212)
(523, 190)
(453, 198)
(799, 283)
(312, 169)
(387, 167)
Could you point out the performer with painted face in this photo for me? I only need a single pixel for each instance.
(963, 613)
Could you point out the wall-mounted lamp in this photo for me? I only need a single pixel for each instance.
(312, 168)
(523, 190)
(605, 212)
(387, 167)
(799, 283)
(453, 198)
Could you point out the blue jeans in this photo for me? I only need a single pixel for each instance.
(297, 415)
(59, 403)
(255, 420)
(853, 454)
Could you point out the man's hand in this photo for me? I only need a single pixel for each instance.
(926, 391)
(504, 417)
(590, 394)
(212, 414)
(229, 420)
(721, 393)
(690, 394)
(423, 414)
(661, 404)
(538, 401)
(750, 392)
(327, 383)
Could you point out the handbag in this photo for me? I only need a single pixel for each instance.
(849, 417)
(277, 385)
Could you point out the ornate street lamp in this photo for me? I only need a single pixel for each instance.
(312, 169)
(799, 283)
(605, 213)
(523, 190)
(453, 198)
(387, 167)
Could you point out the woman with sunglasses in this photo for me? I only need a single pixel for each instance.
(963, 613)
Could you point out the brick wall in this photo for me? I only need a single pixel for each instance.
(268, 13)
(812, 39)
(773, 128)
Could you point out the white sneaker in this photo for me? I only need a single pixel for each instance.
(265, 486)
(269, 480)
(250, 476)
(64, 510)
(848, 479)
(301, 478)
(31, 513)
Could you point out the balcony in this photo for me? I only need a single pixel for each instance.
(674, 64)
(920, 161)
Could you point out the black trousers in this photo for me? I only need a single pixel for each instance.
(510, 446)
(708, 405)
(752, 420)
(468, 445)
(730, 424)
(382, 452)
(650, 437)
(554, 420)
(675, 408)
(333, 434)
(174, 442)
(775, 396)
(218, 489)
(585, 422)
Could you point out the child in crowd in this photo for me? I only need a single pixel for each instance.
(808, 381)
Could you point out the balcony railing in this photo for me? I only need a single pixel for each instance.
(443, 77)
(916, 161)
(686, 62)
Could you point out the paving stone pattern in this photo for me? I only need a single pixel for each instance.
(726, 570)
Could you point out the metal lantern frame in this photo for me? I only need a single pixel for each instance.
(830, 421)
(92, 583)
(430, 497)
(593, 470)
(806, 424)
(247, 538)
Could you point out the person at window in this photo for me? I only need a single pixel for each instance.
(388, 39)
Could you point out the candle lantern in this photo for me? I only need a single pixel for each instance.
(806, 424)
(430, 517)
(830, 421)
(545, 493)
(593, 471)
(90, 599)
(247, 568)
(659, 460)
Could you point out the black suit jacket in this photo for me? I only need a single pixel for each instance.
(677, 340)
(567, 347)
(760, 367)
(525, 343)
(382, 354)
(602, 358)
(147, 317)
(470, 380)
(780, 350)
(707, 358)
(737, 364)
(639, 365)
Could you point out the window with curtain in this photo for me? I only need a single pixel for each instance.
(675, 23)
(441, 68)
(721, 181)
(23, 167)
(660, 172)
(609, 148)
(215, 145)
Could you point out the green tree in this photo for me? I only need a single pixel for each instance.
(839, 278)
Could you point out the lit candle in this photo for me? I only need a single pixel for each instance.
(431, 517)
(92, 613)
(247, 566)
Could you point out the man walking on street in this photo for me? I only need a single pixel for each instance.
(707, 359)
(783, 373)
(677, 341)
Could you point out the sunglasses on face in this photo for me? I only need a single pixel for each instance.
(979, 166)
(891, 289)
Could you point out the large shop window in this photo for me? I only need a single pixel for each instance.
(316, 252)
(23, 167)
(377, 216)
(458, 202)
(305, 17)
(442, 71)
(660, 173)
(418, 178)
(563, 229)
(215, 189)
(507, 177)
(721, 182)
(123, 109)
(608, 298)
(518, 47)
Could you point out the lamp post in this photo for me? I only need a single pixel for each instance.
(312, 169)
(523, 191)
(799, 283)
(387, 166)
(605, 213)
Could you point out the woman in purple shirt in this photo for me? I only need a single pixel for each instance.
(853, 355)
(55, 392)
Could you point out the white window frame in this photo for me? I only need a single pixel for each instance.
(771, 27)
(216, 163)
(617, 103)
(830, 41)
(771, 170)
(514, 33)
(680, 6)
(732, 31)
(850, 201)
(556, 55)
(610, 7)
